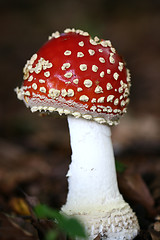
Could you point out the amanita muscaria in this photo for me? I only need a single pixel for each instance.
(86, 80)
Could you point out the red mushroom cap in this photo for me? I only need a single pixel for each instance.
(75, 74)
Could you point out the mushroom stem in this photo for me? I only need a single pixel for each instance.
(92, 175)
(93, 192)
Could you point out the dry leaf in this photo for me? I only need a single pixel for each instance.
(134, 188)
(154, 230)
(16, 229)
(19, 206)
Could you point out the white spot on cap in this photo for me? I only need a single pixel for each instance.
(116, 101)
(79, 31)
(98, 89)
(94, 68)
(65, 66)
(91, 52)
(54, 93)
(66, 111)
(111, 59)
(64, 93)
(30, 78)
(85, 34)
(120, 67)
(76, 114)
(40, 108)
(68, 82)
(60, 110)
(67, 52)
(115, 75)
(34, 109)
(93, 100)
(120, 89)
(34, 86)
(107, 109)
(76, 80)
(123, 103)
(128, 75)
(110, 98)
(127, 100)
(79, 89)
(88, 83)
(96, 39)
(49, 65)
(26, 75)
(82, 32)
(126, 92)
(70, 93)
(27, 93)
(102, 60)
(68, 74)
(100, 120)
(83, 67)
(42, 89)
(73, 30)
(104, 43)
(42, 81)
(108, 71)
(102, 74)
(92, 42)
(124, 85)
(38, 68)
(113, 49)
(81, 44)
(80, 54)
(101, 100)
(109, 43)
(124, 110)
(115, 110)
(33, 58)
(84, 98)
(87, 116)
(51, 109)
(121, 97)
(93, 108)
(67, 30)
(100, 50)
(54, 35)
(47, 74)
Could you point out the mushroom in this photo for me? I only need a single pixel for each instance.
(85, 79)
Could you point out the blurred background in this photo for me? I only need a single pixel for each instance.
(35, 151)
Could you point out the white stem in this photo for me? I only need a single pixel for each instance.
(92, 175)
(93, 195)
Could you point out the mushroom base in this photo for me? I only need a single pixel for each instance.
(120, 224)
